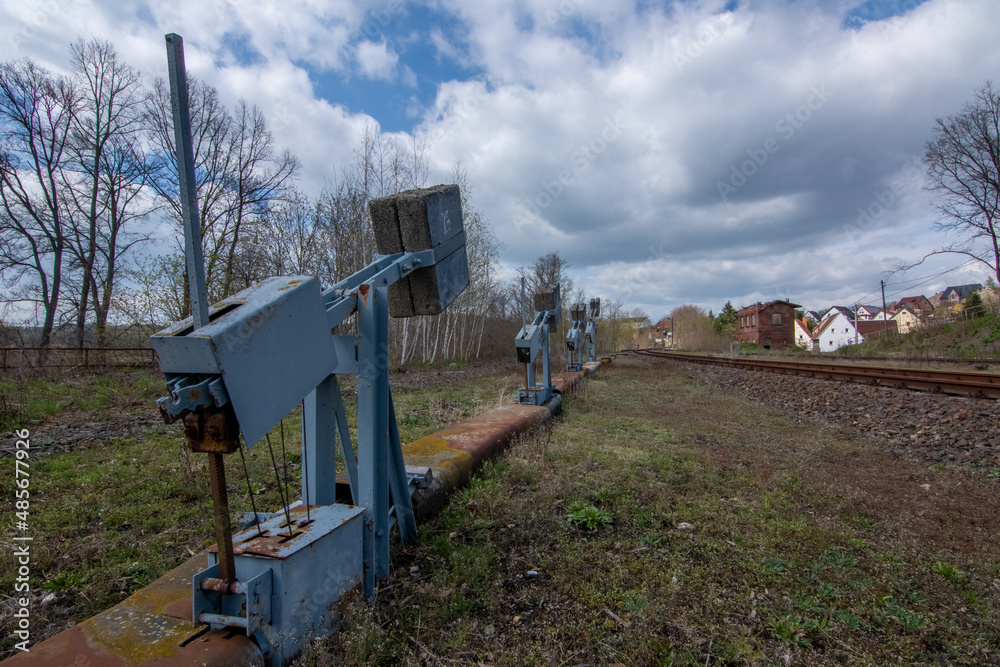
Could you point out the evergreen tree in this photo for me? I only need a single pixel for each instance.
(725, 322)
(974, 304)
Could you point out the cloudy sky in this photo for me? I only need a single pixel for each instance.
(671, 152)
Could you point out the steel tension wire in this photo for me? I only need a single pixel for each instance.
(305, 464)
(246, 473)
(281, 493)
(284, 463)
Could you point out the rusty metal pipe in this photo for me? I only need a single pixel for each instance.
(223, 529)
(224, 587)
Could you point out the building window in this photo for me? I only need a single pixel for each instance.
(753, 320)
(775, 319)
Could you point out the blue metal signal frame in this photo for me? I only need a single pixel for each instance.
(575, 337)
(532, 340)
(593, 313)
(249, 360)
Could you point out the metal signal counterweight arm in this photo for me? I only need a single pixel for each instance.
(267, 349)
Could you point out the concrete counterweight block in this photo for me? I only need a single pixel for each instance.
(578, 311)
(418, 220)
(547, 298)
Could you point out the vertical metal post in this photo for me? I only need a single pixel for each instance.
(373, 431)
(398, 483)
(346, 448)
(529, 377)
(185, 177)
(319, 446)
(546, 370)
(196, 275)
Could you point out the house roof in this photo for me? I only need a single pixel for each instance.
(823, 325)
(848, 313)
(962, 290)
(758, 306)
(912, 299)
(802, 325)
(875, 327)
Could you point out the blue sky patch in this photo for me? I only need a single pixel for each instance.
(242, 48)
(398, 104)
(878, 10)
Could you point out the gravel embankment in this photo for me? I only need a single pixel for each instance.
(935, 428)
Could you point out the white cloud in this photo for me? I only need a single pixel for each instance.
(444, 48)
(377, 60)
(698, 92)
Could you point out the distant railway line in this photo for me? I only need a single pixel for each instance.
(954, 382)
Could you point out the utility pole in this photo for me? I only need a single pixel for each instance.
(855, 324)
(885, 322)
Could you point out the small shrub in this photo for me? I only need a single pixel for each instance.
(847, 619)
(949, 572)
(791, 629)
(586, 516)
(775, 565)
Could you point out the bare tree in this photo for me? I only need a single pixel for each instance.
(237, 169)
(106, 176)
(259, 178)
(290, 239)
(963, 165)
(550, 269)
(36, 112)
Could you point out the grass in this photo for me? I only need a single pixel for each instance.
(659, 521)
(803, 547)
(108, 518)
(970, 338)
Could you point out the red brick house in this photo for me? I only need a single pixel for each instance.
(919, 304)
(770, 325)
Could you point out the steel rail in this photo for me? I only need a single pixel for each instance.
(971, 385)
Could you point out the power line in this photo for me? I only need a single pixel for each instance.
(936, 275)
(928, 279)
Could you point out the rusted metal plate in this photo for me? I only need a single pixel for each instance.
(276, 540)
(74, 647)
(152, 624)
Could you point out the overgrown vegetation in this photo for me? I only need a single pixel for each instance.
(973, 338)
(113, 514)
(736, 537)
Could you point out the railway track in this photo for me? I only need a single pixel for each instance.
(958, 383)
